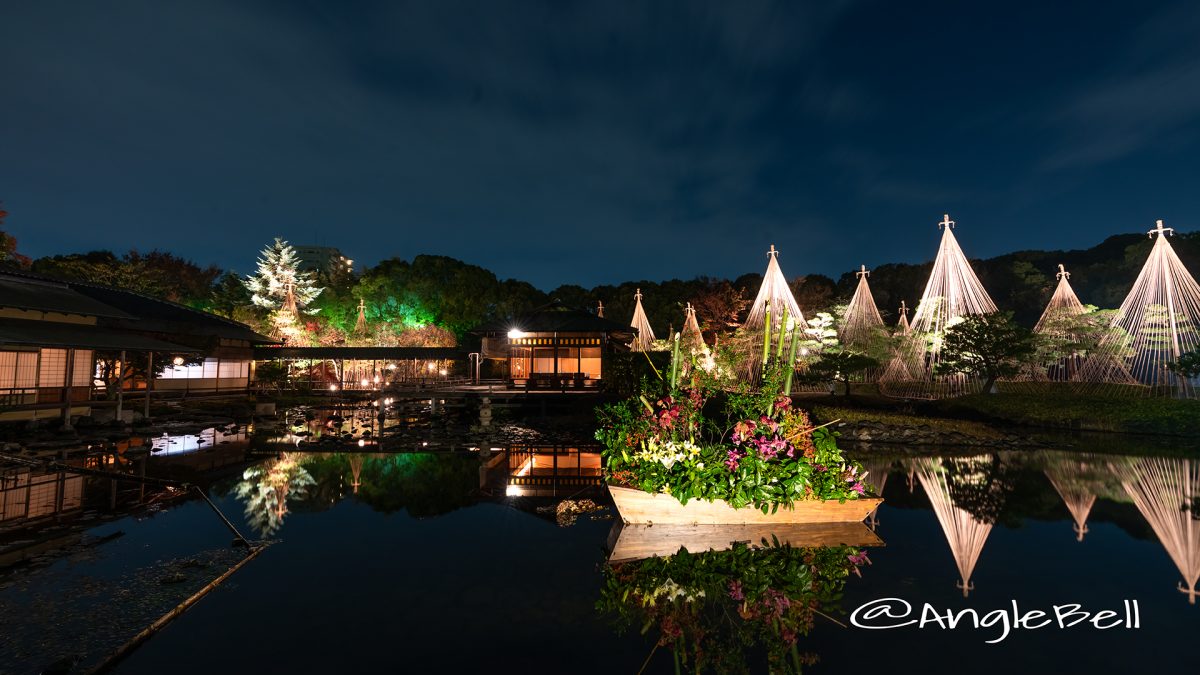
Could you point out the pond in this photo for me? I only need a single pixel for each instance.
(456, 561)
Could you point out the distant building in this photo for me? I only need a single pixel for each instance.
(326, 260)
(554, 346)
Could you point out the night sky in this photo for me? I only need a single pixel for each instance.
(571, 142)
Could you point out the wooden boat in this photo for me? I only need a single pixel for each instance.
(634, 542)
(638, 507)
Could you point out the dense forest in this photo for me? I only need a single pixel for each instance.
(436, 299)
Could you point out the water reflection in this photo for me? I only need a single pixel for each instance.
(721, 603)
(1073, 476)
(266, 488)
(1165, 491)
(966, 533)
(179, 444)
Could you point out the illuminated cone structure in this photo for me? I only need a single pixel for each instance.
(965, 533)
(1165, 491)
(1059, 324)
(1064, 305)
(360, 326)
(862, 320)
(691, 338)
(641, 325)
(773, 293)
(1156, 325)
(902, 326)
(952, 292)
(772, 306)
(1065, 473)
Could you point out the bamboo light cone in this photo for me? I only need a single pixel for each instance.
(638, 507)
(635, 542)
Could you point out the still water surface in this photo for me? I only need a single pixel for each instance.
(442, 562)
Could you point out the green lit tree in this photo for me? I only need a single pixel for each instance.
(1187, 365)
(989, 346)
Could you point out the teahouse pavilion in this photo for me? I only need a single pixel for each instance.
(554, 346)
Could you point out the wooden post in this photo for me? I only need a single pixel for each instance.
(67, 381)
(121, 386)
(149, 383)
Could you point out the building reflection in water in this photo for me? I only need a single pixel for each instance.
(1167, 493)
(29, 494)
(965, 532)
(548, 471)
(166, 444)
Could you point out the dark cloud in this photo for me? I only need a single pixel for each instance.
(579, 141)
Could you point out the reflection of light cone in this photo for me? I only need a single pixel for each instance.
(645, 334)
(965, 534)
(1165, 491)
(356, 466)
(877, 475)
(1064, 476)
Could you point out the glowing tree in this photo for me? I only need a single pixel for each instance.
(862, 320)
(1155, 326)
(645, 334)
(281, 287)
(267, 488)
(952, 292)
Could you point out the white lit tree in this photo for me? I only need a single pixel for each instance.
(281, 287)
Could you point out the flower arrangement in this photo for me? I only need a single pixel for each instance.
(703, 439)
(711, 607)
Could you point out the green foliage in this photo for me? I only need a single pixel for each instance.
(629, 373)
(711, 607)
(229, 295)
(423, 484)
(1187, 365)
(1134, 414)
(990, 346)
(156, 274)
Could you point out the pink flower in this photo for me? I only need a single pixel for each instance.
(858, 558)
(735, 591)
(858, 487)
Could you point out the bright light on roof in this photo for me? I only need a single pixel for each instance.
(516, 333)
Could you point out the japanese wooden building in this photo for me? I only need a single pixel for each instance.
(52, 332)
(554, 346)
